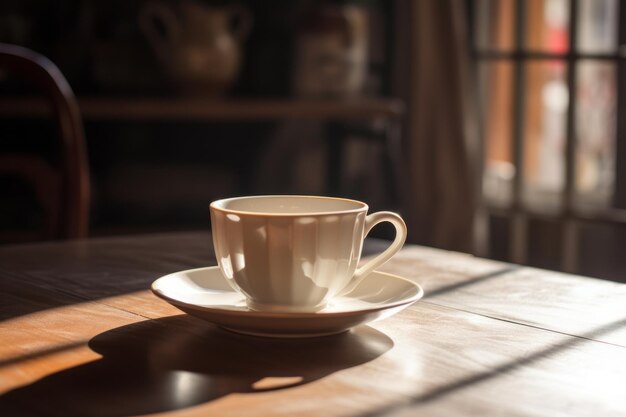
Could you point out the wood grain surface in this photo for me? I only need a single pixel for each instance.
(80, 335)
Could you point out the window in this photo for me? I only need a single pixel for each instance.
(550, 76)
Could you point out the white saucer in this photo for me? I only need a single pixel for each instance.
(204, 293)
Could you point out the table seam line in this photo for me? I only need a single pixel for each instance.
(525, 324)
(126, 311)
(76, 297)
(498, 273)
(100, 302)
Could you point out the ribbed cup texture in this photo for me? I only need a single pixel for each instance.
(288, 261)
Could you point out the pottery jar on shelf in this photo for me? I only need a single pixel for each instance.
(198, 46)
(331, 52)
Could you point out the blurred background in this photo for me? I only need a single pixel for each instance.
(492, 126)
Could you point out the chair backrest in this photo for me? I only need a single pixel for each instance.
(72, 211)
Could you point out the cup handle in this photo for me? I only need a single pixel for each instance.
(371, 221)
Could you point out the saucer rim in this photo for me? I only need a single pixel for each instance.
(292, 315)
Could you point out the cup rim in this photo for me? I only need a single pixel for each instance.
(215, 206)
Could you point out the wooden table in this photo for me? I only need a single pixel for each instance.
(81, 335)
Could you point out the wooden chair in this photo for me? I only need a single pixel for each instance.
(63, 190)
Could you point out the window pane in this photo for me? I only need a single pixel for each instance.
(597, 26)
(497, 98)
(545, 235)
(499, 237)
(596, 101)
(547, 25)
(601, 251)
(545, 114)
(495, 24)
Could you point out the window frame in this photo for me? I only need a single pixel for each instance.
(568, 218)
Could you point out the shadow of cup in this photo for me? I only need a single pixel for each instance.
(177, 362)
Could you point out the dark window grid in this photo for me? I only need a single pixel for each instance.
(569, 219)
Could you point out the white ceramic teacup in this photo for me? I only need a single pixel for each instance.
(294, 253)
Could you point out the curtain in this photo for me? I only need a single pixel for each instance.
(441, 139)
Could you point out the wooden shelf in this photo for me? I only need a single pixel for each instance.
(206, 109)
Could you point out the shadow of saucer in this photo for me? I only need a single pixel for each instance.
(177, 362)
